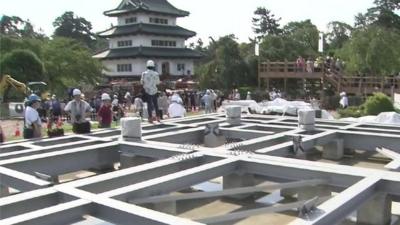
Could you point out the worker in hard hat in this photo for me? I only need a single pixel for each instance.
(344, 100)
(78, 110)
(33, 123)
(105, 114)
(150, 79)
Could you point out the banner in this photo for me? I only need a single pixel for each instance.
(321, 43)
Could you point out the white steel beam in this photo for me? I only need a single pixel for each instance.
(229, 192)
(339, 207)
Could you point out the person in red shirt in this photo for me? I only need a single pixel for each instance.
(105, 113)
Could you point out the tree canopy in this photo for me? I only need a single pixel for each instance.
(265, 23)
(23, 65)
(71, 26)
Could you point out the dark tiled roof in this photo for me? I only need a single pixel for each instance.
(148, 52)
(145, 28)
(157, 6)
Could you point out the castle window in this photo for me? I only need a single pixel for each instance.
(163, 43)
(124, 43)
(158, 20)
(124, 68)
(180, 67)
(130, 20)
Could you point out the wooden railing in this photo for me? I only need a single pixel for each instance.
(288, 70)
(353, 85)
(364, 85)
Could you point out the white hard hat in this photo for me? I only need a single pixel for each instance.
(150, 63)
(343, 94)
(248, 92)
(208, 92)
(105, 96)
(76, 92)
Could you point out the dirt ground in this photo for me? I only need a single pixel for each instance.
(9, 128)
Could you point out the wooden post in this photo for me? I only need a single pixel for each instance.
(285, 85)
(285, 68)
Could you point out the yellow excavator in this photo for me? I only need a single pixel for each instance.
(38, 88)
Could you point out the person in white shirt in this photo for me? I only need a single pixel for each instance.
(33, 123)
(344, 101)
(208, 101)
(138, 105)
(248, 97)
(175, 109)
(236, 96)
(150, 79)
(78, 110)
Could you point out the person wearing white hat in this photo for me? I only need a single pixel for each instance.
(150, 79)
(78, 110)
(176, 109)
(344, 101)
(208, 102)
(105, 114)
(33, 123)
(248, 97)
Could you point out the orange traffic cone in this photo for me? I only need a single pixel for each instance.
(17, 131)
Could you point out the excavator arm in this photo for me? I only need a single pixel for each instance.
(7, 81)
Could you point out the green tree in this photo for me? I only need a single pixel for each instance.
(23, 65)
(71, 26)
(14, 26)
(9, 44)
(10, 25)
(382, 14)
(374, 51)
(338, 34)
(225, 67)
(265, 23)
(377, 104)
(69, 63)
(305, 35)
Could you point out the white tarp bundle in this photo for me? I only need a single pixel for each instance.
(277, 106)
(385, 118)
(245, 104)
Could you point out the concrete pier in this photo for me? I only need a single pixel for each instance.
(377, 211)
(131, 129)
(233, 115)
(237, 180)
(130, 160)
(334, 150)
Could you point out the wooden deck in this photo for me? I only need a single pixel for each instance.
(350, 84)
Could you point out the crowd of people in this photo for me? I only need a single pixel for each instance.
(329, 64)
(106, 107)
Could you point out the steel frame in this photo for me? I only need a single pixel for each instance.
(178, 164)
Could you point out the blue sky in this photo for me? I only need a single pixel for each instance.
(208, 17)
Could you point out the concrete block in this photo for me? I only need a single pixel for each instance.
(236, 180)
(130, 160)
(165, 207)
(306, 193)
(213, 137)
(334, 150)
(131, 128)
(306, 119)
(377, 211)
(4, 191)
(233, 115)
